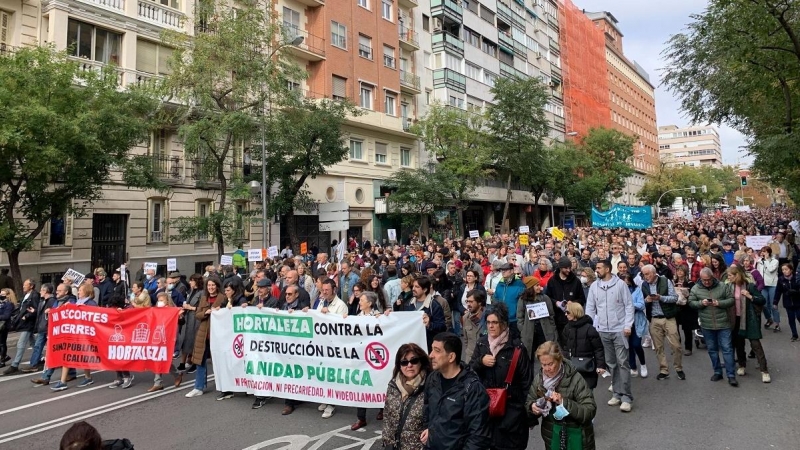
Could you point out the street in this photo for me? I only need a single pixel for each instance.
(669, 414)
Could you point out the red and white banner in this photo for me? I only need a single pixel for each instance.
(135, 340)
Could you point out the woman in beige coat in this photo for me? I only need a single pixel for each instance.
(212, 299)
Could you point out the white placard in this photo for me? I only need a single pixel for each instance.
(254, 255)
(757, 242)
(474, 234)
(226, 260)
(74, 275)
(272, 252)
(172, 264)
(524, 229)
(537, 310)
(150, 265)
(123, 273)
(392, 234)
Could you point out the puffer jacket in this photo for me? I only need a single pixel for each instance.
(459, 418)
(578, 400)
(511, 430)
(583, 341)
(393, 411)
(712, 317)
(527, 328)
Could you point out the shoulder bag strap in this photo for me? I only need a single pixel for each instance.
(403, 416)
(513, 368)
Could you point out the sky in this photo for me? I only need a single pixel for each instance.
(645, 28)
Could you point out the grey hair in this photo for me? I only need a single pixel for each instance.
(648, 268)
(675, 256)
(372, 297)
(547, 262)
(707, 272)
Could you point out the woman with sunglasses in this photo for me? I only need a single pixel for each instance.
(405, 400)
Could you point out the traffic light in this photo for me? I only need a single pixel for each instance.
(744, 181)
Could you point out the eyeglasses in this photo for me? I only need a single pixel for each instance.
(413, 361)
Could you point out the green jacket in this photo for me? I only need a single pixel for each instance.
(753, 327)
(712, 317)
(578, 400)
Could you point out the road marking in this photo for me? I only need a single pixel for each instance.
(42, 402)
(83, 415)
(23, 375)
(299, 441)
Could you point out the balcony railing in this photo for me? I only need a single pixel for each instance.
(450, 78)
(364, 51)
(156, 236)
(408, 36)
(510, 15)
(166, 167)
(409, 80)
(160, 15)
(444, 39)
(312, 44)
(388, 61)
(88, 65)
(448, 7)
(204, 170)
(113, 5)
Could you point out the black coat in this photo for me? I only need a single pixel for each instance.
(106, 288)
(26, 321)
(584, 341)
(118, 296)
(570, 289)
(510, 431)
(459, 418)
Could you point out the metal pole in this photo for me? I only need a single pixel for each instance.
(741, 186)
(264, 231)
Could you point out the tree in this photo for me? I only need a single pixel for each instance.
(518, 126)
(738, 64)
(417, 193)
(224, 79)
(460, 144)
(305, 138)
(719, 182)
(64, 134)
(605, 154)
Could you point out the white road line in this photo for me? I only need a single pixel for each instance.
(23, 375)
(299, 441)
(83, 415)
(42, 402)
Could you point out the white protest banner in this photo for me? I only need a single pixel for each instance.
(172, 264)
(272, 252)
(313, 357)
(392, 234)
(123, 273)
(254, 255)
(757, 242)
(226, 260)
(537, 310)
(474, 234)
(524, 229)
(74, 275)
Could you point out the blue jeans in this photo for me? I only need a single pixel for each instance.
(791, 316)
(635, 349)
(457, 323)
(201, 376)
(48, 373)
(769, 294)
(22, 344)
(38, 348)
(716, 340)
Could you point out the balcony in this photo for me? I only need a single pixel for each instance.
(312, 3)
(450, 79)
(510, 15)
(554, 45)
(408, 39)
(311, 49)
(111, 5)
(165, 167)
(365, 51)
(204, 173)
(448, 8)
(159, 14)
(444, 40)
(408, 4)
(409, 83)
(87, 65)
(380, 205)
(505, 40)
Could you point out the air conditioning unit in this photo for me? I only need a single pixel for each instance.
(552, 85)
(539, 55)
(437, 24)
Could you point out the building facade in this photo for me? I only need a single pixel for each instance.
(690, 146)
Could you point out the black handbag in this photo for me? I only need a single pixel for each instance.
(584, 364)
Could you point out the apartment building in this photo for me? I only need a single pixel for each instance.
(690, 146)
(631, 103)
(364, 50)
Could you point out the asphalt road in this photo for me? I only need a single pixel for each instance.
(669, 414)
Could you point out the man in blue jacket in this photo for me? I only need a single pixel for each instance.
(508, 291)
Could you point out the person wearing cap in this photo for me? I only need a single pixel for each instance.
(263, 296)
(535, 330)
(509, 290)
(564, 286)
(661, 266)
(493, 279)
(728, 253)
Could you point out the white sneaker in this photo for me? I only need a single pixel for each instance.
(765, 377)
(194, 393)
(329, 410)
(611, 388)
(614, 401)
(643, 371)
(322, 407)
(740, 371)
(625, 407)
(634, 373)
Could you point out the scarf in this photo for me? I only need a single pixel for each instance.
(408, 387)
(550, 385)
(741, 306)
(496, 344)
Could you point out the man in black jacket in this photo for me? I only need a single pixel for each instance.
(25, 323)
(456, 403)
(47, 293)
(105, 286)
(564, 285)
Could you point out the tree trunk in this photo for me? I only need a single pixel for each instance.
(16, 272)
(460, 230)
(503, 227)
(294, 239)
(223, 200)
(537, 224)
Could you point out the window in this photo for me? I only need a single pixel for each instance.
(457, 102)
(487, 14)
(426, 59)
(157, 220)
(364, 46)
(152, 58)
(363, 3)
(380, 153)
(388, 57)
(171, 3)
(291, 19)
(489, 78)
(386, 9)
(472, 71)
(405, 157)
(339, 88)
(472, 38)
(5, 32)
(452, 62)
(389, 103)
(356, 149)
(159, 142)
(338, 35)
(203, 209)
(489, 47)
(58, 232)
(90, 42)
(426, 23)
(365, 97)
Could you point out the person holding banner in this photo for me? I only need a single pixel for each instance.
(164, 300)
(85, 298)
(368, 306)
(405, 403)
(211, 299)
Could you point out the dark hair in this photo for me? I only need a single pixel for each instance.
(479, 296)
(606, 263)
(424, 282)
(767, 249)
(379, 291)
(198, 280)
(627, 278)
(214, 280)
(410, 268)
(49, 288)
(391, 271)
(418, 353)
(324, 277)
(499, 310)
(450, 342)
(236, 284)
(361, 286)
(789, 265)
(81, 436)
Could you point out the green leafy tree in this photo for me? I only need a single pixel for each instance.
(416, 193)
(224, 79)
(605, 165)
(518, 126)
(304, 139)
(64, 134)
